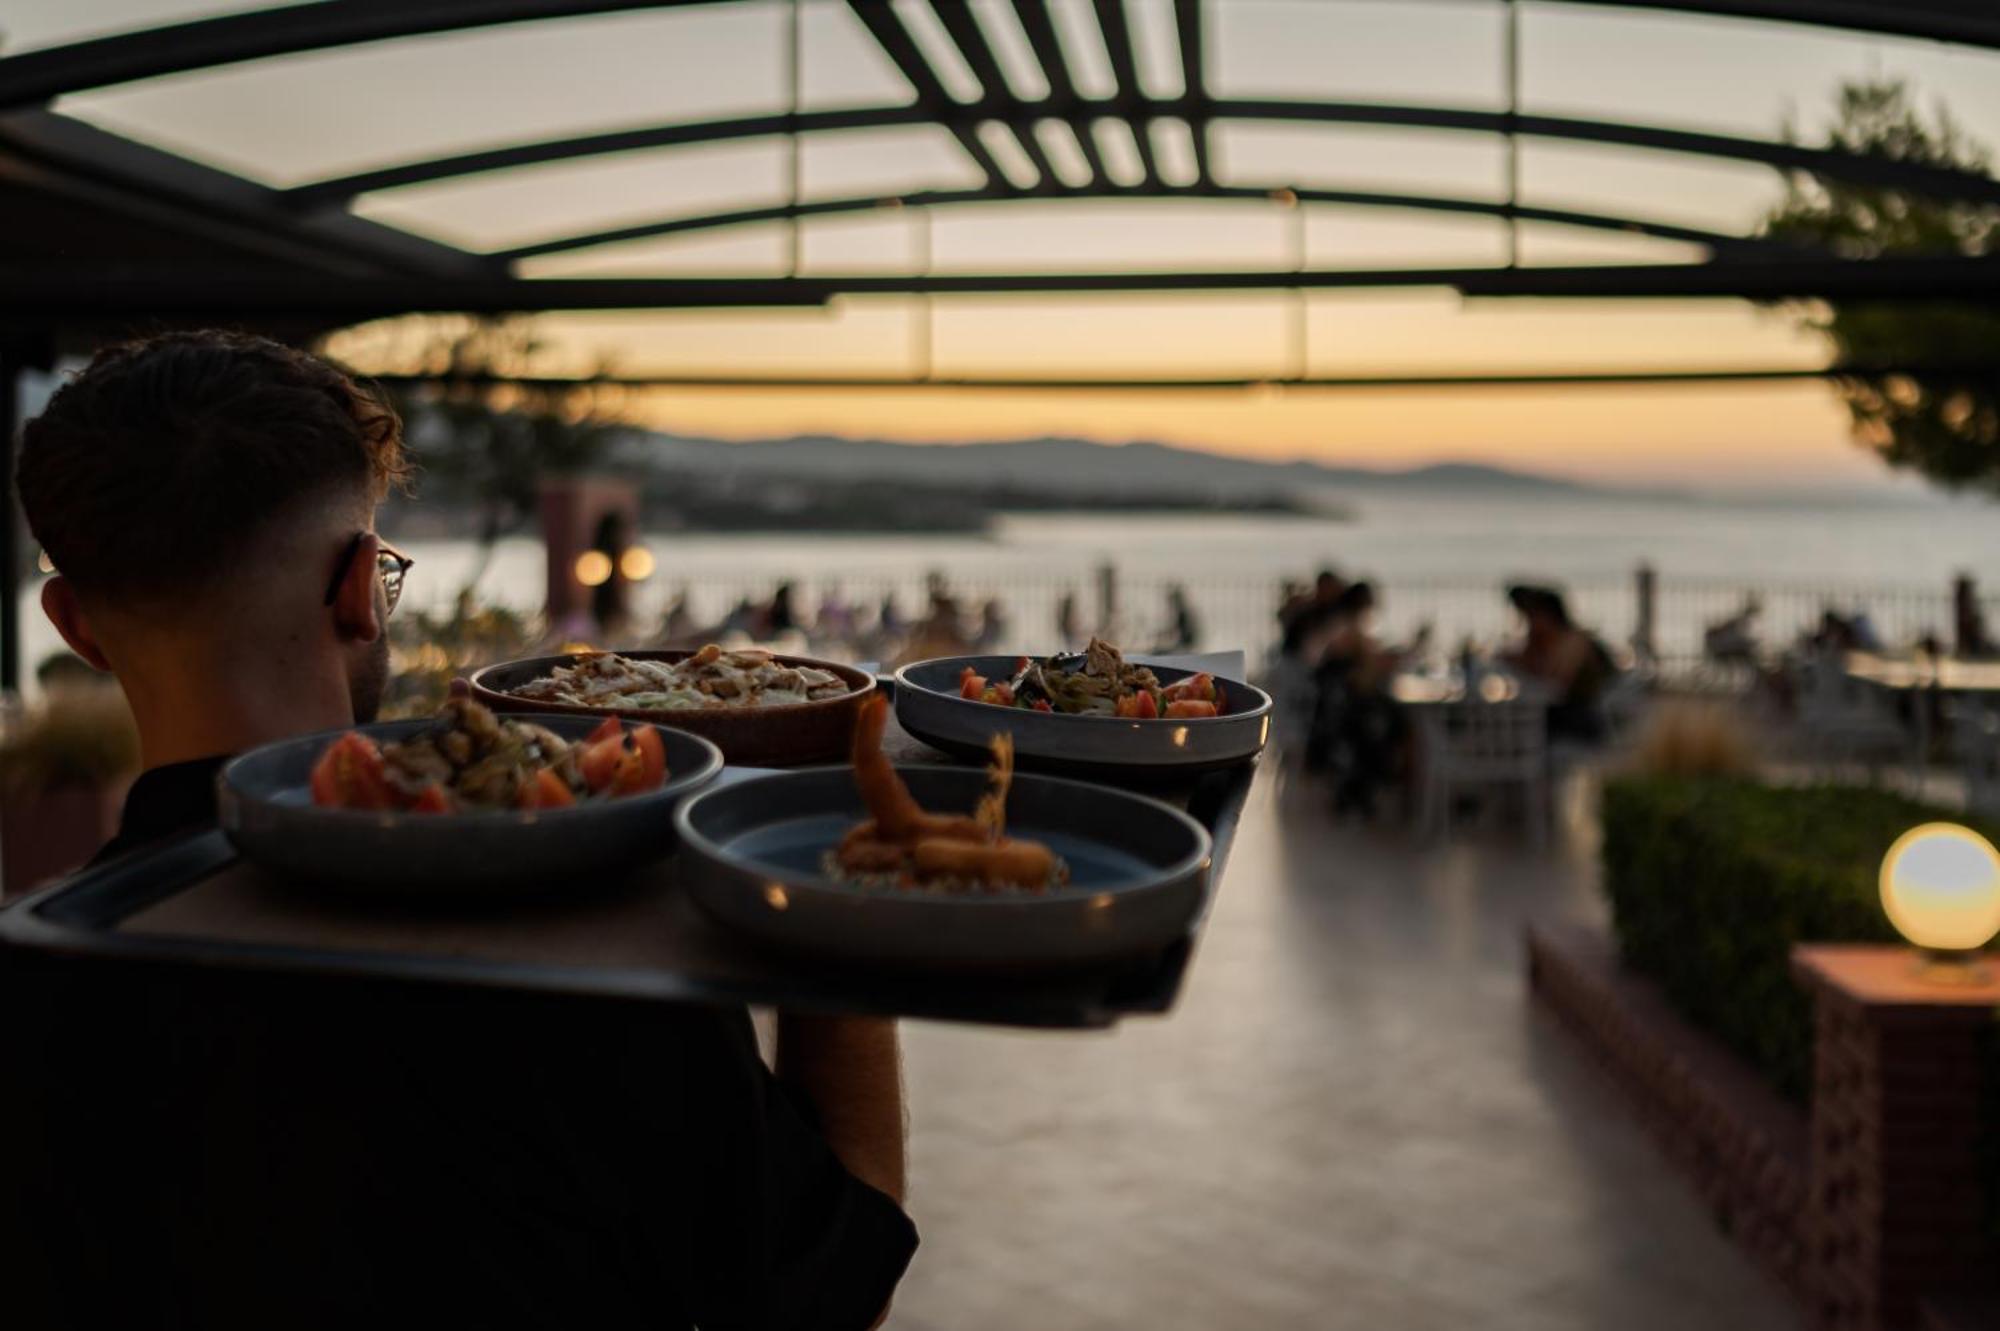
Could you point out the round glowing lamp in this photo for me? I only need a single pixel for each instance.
(593, 568)
(1941, 890)
(636, 563)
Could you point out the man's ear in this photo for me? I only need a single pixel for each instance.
(357, 602)
(59, 603)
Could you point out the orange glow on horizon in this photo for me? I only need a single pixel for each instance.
(1784, 433)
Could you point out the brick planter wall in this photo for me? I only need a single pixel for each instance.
(1746, 1150)
(1896, 1211)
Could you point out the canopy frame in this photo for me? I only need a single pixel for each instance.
(179, 239)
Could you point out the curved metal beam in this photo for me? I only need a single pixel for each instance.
(1036, 383)
(1856, 167)
(1968, 22)
(335, 192)
(45, 295)
(1716, 241)
(1860, 168)
(781, 212)
(35, 77)
(148, 185)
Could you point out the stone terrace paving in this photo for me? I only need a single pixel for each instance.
(1355, 1119)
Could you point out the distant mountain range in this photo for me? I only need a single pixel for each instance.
(1079, 465)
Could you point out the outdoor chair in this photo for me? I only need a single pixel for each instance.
(1289, 681)
(1843, 720)
(1978, 743)
(1624, 702)
(1489, 746)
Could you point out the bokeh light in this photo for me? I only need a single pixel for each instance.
(593, 568)
(636, 564)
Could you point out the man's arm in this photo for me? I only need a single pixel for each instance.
(848, 1067)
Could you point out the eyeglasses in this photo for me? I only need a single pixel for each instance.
(391, 565)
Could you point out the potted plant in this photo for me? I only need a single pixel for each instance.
(64, 765)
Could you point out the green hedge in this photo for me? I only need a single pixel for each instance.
(1713, 881)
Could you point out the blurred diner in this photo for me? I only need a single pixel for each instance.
(1570, 665)
(1360, 735)
(1183, 630)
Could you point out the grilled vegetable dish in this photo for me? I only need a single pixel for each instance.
(711, 678)
(471, 760)
(902, 846)
(1097, 681)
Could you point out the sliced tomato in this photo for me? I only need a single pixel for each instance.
(630, 777)
(1139, 705)
(652, 751)
(1184, 708)
(611, 729)
(1200, 688)
(599, 762)
(545, 790)
(349, 775)
(434, 798)
(971, 683)
(1001, 695)
(1042, 705)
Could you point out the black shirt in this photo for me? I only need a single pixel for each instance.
(195, 1149)
(165, 802)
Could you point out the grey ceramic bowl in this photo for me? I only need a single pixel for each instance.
(268, 813)
(928, 706)
(751, 855)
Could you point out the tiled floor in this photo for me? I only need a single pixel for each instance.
(1354, 1119)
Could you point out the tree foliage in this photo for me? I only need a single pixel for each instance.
(486, 442)
(1943, 423)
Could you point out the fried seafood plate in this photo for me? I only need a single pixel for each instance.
(903, 846)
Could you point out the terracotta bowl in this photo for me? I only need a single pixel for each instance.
(748, 736)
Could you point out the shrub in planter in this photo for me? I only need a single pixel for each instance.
(1713, 881)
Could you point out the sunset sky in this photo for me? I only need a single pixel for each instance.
(302, 118)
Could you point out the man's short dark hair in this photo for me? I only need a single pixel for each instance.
(158, 465)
